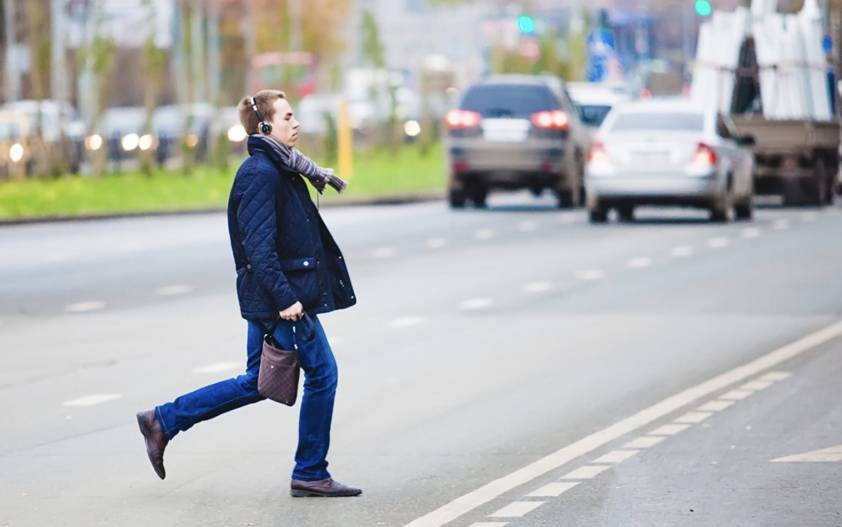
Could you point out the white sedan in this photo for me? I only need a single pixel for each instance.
(669, 153)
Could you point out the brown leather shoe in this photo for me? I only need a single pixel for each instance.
(155, 439)
(324, 488)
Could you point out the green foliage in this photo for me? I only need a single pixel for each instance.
(377, 174)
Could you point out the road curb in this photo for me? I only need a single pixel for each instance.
(403, 199)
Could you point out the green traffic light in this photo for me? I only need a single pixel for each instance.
(526, 24)
(703, 7)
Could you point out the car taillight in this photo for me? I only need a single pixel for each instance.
(551, 120)
(461, 119)
(597, 153)
(704, 156)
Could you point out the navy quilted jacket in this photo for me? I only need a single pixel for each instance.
(283, 251)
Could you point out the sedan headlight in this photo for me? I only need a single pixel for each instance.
(146, 142)
(93, 142)
(16, 152)
(412, 128)
(237, 133)
(130, 142)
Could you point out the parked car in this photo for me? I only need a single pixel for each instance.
(595, 100)
(61, 128)
(15, 149)
(515, 132)
(170, 125)
(669, 153)
(122, 131)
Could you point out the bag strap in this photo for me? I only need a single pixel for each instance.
(269, 331)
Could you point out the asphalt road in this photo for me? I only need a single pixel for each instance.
(510, 366)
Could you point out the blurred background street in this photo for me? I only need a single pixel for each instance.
(595, 247)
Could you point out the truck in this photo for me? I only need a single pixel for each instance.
(769, 72)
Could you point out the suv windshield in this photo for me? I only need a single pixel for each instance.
(509, 100)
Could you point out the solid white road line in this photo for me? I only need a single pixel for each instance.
(639, 262)
(537, 287)
(405, 322)
(173, 290)
(643, 442)
(552, 490)
(616, 456)
(586, 472)
(682, 251)
(92, 400)
(218, 367)
(564, 455)
(436, 243)
(516, 509)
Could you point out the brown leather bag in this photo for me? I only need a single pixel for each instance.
(279, 368)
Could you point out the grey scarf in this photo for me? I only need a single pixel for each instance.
(293, 160)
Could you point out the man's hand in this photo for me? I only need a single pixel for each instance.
(293, 312)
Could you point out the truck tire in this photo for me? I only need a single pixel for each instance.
(598, 214)
(719, 211)
(456, 199)
(744, 210)
(479, 196)
(626, 213)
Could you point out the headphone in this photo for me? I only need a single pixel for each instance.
(265, 127)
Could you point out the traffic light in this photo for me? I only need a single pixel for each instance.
(526, 24)
(703, 7)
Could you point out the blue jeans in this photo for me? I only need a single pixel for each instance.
(320, 379)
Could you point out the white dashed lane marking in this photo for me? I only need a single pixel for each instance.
(475, 303)
(173, 290)
(484, 234)
(668, 430)
(590, 275)
(639, 262)
(517, 509)
(527, 226)
(489, 524)
(682, 251)
(693, 418)
(615, 456)
(718, 242)
(644, 442)
(405, 322)
(736, 395)
(552, 490)
(92, 400)
(85, 307)
(384, 252)
(750, 232)
(809, 216)
(436, 243)
(780, 225)
(537, 287)
(715, 406)
(586, 472)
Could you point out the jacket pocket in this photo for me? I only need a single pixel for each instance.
(303, 278)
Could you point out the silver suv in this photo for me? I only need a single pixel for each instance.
(515, 132)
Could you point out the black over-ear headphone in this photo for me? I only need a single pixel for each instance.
(265, 127)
